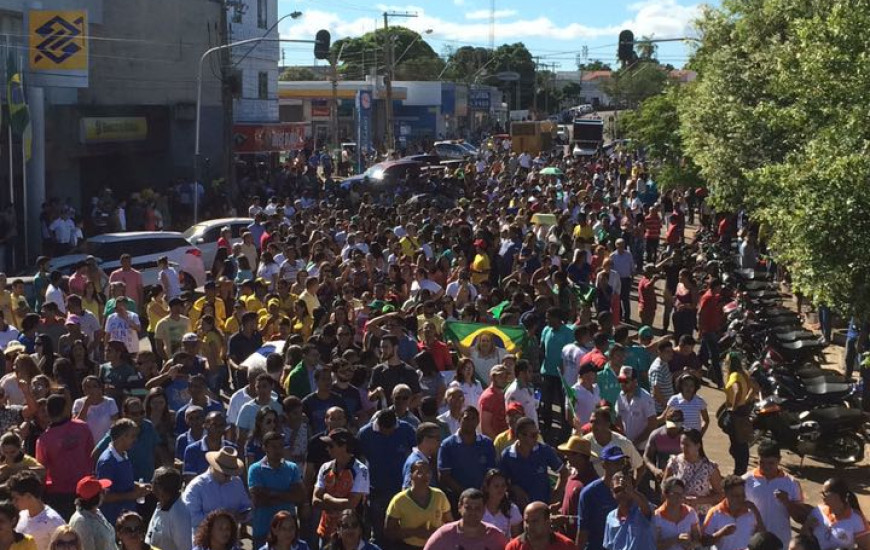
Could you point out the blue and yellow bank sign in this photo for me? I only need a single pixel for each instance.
(58, 43)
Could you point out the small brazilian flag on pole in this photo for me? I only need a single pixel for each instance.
(19, 114)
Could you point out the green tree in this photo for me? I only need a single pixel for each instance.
(360, 55)
(631, 85)
(594, 65)
(478, 65)
(777, 124)
(656, 126)
(299, 73)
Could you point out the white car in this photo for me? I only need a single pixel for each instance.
(205, 235)
(145, 247)
(451, 150)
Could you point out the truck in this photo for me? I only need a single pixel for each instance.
(587, 136)
(532, 136)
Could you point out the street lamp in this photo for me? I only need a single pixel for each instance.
(291, 15)
(196, 152)
(399, 60)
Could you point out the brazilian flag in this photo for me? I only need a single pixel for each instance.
(510, 338)
(19, 114)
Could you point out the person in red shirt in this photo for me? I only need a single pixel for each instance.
(709, 325)
(439, 350)
(597, 356)
(65, 451)
(493, 419)
(652, 229)
(578, 453)
(646, 295)
(539, 535)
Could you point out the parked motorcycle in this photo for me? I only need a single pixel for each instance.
(836, 434)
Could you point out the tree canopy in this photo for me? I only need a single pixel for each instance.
(777, 123)
(414, 57)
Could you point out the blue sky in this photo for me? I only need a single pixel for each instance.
(555, 30)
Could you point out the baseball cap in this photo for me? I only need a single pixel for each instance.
(90, 486)
(612, 454)
(338, 436)
(627, 373)
(190, 337)
(515, 407)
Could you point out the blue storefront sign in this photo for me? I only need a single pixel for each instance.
(363, 125)
(478, 100)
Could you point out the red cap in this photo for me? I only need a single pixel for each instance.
(515, 407)
(90, 486)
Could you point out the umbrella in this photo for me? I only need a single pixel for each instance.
(258, 358)
(551, 171)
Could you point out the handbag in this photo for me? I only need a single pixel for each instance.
(725, 419)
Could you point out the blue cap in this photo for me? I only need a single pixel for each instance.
(612, 454)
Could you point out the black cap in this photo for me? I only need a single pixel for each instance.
(338, 436)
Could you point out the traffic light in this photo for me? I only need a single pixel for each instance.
(321, 44)
(625, 51)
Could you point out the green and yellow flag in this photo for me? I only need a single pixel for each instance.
(19, 114)
(466, 334)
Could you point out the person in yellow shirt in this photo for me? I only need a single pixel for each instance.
(211, 297)
(270, 318)
(302, 321)
(234, 322)
(6, 302)
(508, 437)
(410, 242)
(480, 267)
(248, 297)
(414, 514)
(583, 230)
(20, 307)
(309, 296)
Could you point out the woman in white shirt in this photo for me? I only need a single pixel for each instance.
(838, 521)
(24, 368)
(465, 381)
(674, 523)
(97, 410)
(498, 509)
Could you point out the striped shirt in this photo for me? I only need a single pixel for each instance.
(652, 226)
(660, 377)
(691, 410)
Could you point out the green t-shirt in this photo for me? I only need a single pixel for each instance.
(638, 358)
(608, 385)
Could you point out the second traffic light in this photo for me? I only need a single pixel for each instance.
(322, 42)
(625, 51)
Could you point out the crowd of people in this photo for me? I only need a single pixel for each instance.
(310, 396)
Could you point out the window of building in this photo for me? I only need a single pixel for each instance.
(262, 14)
(263, 85)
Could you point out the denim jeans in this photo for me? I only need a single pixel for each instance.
(710, 352)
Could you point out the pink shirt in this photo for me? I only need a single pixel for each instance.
(65, 451)
(133, 280)
(448, 537)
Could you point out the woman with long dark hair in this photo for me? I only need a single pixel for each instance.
(700, 474)
(685, 305)
(82, 364)
(130, 531)
(219, 531)
(266, 421)
(498, 509)
(464, 379)
(45, 354)
(838, 521)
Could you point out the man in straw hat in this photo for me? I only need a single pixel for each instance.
(219, 487)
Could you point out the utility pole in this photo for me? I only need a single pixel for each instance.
(226, 99)
(389, 135)
(333, 105)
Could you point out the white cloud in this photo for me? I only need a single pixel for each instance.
(484, 14)
(658, 18)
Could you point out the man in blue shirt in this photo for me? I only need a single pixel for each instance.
(465, 456)
(526, 464)
(385, 442)
(275, 484)
(597, 501)
(556, 335)
(115, 465)
(142, 453)
(628, 526)
(195, 462)
(428, 441)
(198, 390)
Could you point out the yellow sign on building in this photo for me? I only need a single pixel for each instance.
(113, 129)
(58, 40)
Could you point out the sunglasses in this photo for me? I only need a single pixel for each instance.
(66, 543)
(348, 526)
(131, 529)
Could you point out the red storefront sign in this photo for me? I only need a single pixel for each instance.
(270, 138)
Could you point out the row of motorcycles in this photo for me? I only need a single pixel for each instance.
(802, 406)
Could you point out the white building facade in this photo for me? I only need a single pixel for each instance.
(257, 63)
